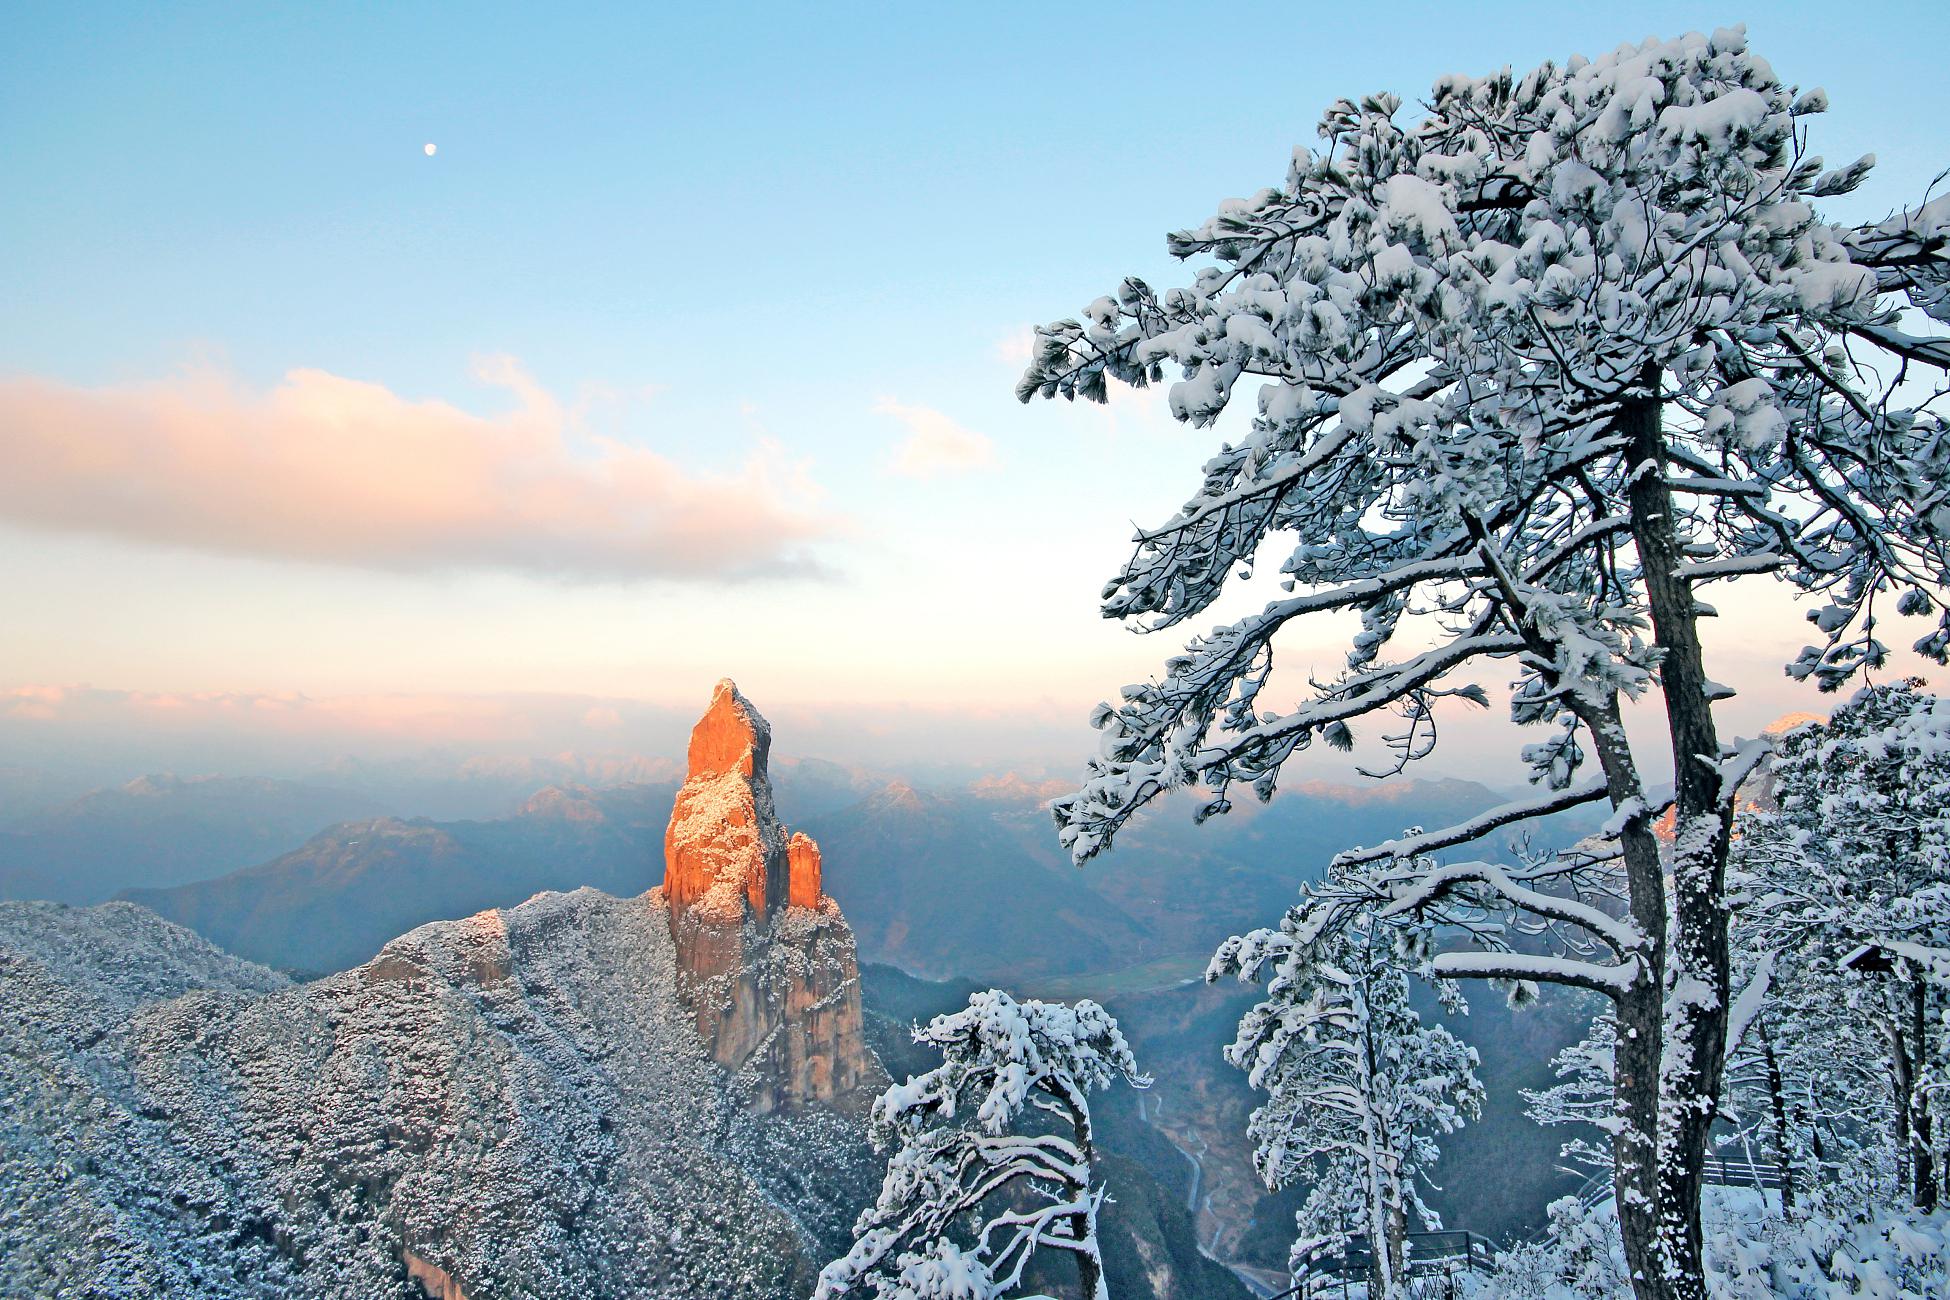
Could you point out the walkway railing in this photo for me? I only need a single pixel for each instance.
(1736, 1171)
(1718, 1171)
(1431, 1255)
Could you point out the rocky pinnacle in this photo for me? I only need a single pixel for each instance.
(764, 957)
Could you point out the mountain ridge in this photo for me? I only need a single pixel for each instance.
(514, 1098)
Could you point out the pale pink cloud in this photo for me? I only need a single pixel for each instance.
(427, 717)
(935, 445)
(335, 470)
(36, 703)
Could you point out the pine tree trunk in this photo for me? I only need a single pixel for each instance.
(1083, 1227)
(1385, 1235)
(1778, 1100)
(1397, 1245)
(1923, 1154)
(1693, 1057)
(1638, 1010)
(1635, 1145)
(1090, 1276)
(1902, 1084)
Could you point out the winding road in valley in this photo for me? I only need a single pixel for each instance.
(1249, 1278)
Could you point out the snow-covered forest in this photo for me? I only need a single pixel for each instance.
(1537, 363)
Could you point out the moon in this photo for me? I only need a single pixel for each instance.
(430, 150)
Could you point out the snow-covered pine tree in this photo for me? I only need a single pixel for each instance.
(1537, 366)
(1797, 1079)
(1584, 1095)
(1358, 1088)
(1848, 884)
(993, 1155)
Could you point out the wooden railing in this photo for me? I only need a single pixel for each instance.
(1736, 1171)
(1430, 1255)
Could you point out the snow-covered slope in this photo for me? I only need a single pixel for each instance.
(512, 1104)
(123, 955)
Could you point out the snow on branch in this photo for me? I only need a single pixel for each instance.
(1587, 791)
(1517, 967)
(1910, 253)
(1620, 935)
(1750, 1001)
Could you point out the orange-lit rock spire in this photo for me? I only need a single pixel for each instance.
(802, 866)
(724, 838)
(763, 956)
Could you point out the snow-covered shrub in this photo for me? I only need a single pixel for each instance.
(1890, 1255)
(1580, 1257)
(993, 1155)
(1887, 1254)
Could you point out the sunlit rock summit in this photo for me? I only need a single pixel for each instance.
(765, 961)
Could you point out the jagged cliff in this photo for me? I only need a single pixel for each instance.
(765, 961)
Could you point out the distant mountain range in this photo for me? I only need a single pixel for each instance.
(25, 790)
(61, 840)
(164, 830)
(942, 883)
(973, 883)
(331, 902)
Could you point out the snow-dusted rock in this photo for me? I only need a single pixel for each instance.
(511, 1104)
(764, 959)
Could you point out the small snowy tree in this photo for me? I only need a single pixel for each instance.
(1849, 884)
(1585, 1094)
(972, 1190)
(1797, 1079)
(1533, 369)
(1358, 1088)
(1579, 1257)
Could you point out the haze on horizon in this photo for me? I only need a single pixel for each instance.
(688, 353)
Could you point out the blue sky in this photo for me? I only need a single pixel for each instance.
(763, 249)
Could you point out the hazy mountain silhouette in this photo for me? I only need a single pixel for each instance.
(974, 883)
(333, 901)
(164, 830)
(964, 882)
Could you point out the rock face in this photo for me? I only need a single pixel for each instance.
(511, 1105)
(802, 859)
(765, 961)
